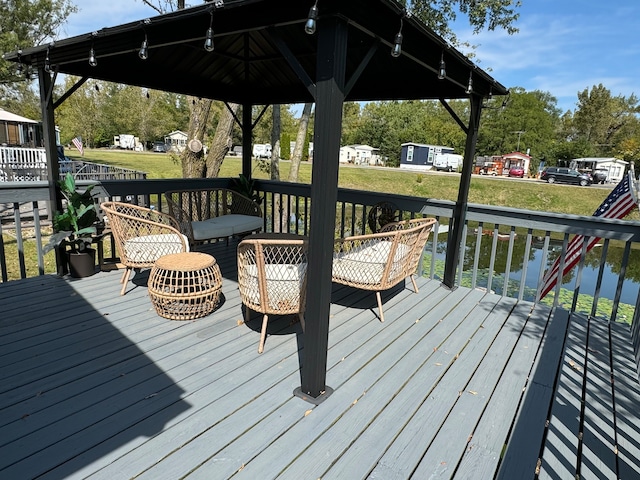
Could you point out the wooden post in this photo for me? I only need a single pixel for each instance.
(330, 84)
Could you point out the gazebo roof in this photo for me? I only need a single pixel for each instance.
(262, 54)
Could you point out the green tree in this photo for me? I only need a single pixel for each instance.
(489, 14)
(528, 122)
(26, 23)
(600, 117)
(23, 24)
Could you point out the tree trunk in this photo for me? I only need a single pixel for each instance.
(296, 158)
(280, 225)
(193, 163)
(221, 141)
(275, 143)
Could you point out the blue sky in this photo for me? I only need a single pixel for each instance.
(563, 46)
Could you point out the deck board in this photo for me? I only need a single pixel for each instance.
(598, 437)
(98, 386)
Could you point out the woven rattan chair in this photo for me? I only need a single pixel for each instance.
(379, 261)
(272, 277)
(142, 236)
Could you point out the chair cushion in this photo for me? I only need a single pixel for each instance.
(365, 264)
(148, 248)
(225, 226)
(284, 284)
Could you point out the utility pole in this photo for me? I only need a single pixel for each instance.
(519, 132)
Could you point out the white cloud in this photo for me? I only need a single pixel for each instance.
(563, 51)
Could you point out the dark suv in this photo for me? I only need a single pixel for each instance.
(565, 175)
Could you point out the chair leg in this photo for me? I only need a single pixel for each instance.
(125, 280)
(415, 286)
(301, 317)
(247, 314)
(263, 333)
(379, 297)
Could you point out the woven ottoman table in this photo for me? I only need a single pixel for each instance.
(185, 286)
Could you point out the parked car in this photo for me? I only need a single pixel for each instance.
(565, 175)
(159, 147)
(599, 176)
(517, 171)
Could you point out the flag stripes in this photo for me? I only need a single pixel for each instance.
(620, 202)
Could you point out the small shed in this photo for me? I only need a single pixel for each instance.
(418, 156)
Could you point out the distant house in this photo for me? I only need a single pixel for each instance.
(17, 131)
(614, 167)
(418, 156)
(516, 159)
(177, 141)
(359, 155)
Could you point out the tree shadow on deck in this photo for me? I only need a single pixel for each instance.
(78, 386)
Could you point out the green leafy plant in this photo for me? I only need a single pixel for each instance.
(76, 223)
(246, 187)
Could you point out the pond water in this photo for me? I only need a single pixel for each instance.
(590, 270)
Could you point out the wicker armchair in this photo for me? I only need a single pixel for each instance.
(379, 261)
(272, 277)
(142, 236)
(211, 213)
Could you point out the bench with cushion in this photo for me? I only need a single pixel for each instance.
(209, 214)
(379, 261)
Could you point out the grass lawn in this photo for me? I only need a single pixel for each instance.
(529, 194)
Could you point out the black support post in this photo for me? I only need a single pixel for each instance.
(330, 83)
(51, 149)
(247, 135)
(454, 239)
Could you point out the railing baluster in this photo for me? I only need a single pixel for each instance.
(476, 256)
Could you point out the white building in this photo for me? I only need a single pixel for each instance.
(360, 155)
(614, 167)
(177, 141)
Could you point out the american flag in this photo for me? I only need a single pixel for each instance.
(620, 202)
(77, 141)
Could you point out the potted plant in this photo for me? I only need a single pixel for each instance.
(74, 226)
(246, 187)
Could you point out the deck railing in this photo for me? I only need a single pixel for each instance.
(502, 249)
(18, 164)
(22, 164)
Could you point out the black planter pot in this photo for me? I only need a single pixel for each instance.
(82, 264)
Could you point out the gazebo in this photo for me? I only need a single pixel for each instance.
(262, 52)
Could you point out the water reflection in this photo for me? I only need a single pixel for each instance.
(611, 269)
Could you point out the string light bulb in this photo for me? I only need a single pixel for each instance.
(310, 26)
(396, 51)
(92, 57)
(47, 62)
(442, 70)
(144, 49)
(469, 89)
(208, 40)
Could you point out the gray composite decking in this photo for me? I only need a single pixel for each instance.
(454, 384)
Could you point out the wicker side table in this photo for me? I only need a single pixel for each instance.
(184, 286)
